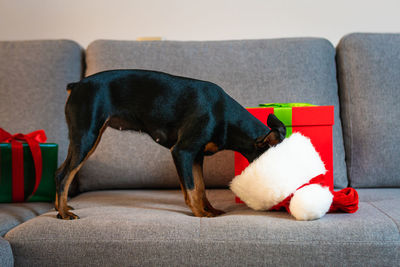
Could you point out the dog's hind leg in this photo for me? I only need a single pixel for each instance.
(60, 173)
(80, 148)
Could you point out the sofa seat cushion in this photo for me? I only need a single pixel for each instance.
(140, 227)
(13, 214)
(387, 200)
(6, 255)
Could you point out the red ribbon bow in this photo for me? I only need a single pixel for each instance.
(33, 139)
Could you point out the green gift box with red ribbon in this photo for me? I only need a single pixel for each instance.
(312, 121)
(27, 167)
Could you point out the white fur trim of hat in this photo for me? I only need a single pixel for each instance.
(279, 172)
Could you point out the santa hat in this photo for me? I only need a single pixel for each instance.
(291, 176)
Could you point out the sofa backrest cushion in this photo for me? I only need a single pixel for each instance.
(251, 71)
(369, 79)
(33, 79)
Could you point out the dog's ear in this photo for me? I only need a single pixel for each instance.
(275, 136)
(270, 139)
(276, 125)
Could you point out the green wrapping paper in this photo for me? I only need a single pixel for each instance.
(46, 189)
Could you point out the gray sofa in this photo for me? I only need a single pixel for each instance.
(127, 196)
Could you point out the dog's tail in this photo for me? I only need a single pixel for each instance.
(71, 86)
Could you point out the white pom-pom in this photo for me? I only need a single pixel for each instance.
(278, 173)
(310, 202)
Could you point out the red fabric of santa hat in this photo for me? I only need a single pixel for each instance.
(317, 200)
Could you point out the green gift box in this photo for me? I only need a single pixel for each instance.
(46, 189)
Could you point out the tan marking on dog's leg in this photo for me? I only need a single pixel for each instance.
(199, 203)
(183, 188)
(211, 147)
(63, 207)
(185, 194)
(62, 202)
(197, 194)
(56, 201)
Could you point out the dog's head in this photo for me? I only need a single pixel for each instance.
(272, 138)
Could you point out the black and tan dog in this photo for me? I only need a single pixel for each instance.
(192, 118)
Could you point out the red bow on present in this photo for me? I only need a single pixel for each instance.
(33, 139)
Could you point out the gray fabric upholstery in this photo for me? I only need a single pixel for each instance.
(372, 194)
(13, 214)
(142, 227)
(6, 256)
(33, 79)
(387, 200)
(369, 79)
(251, 71)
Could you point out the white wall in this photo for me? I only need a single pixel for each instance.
(87, 20)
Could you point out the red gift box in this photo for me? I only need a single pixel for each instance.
(314, 122)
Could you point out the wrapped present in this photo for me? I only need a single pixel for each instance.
(312, 121)
(27, 167)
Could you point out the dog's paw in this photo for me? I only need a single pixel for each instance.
(68, 216)
(208, 213)
(213, 210)
(218, 212)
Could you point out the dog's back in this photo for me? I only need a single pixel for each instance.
(153, 102)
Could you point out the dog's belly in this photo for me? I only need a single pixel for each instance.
(123, 124)
(164, 137)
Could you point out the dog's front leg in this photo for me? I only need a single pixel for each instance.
(190, 171)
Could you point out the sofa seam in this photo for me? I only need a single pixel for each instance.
(223, 241)
(387, 215)
(351, 134)
(200, 231)
(343, 109)
(347, 92)
(340, 113)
